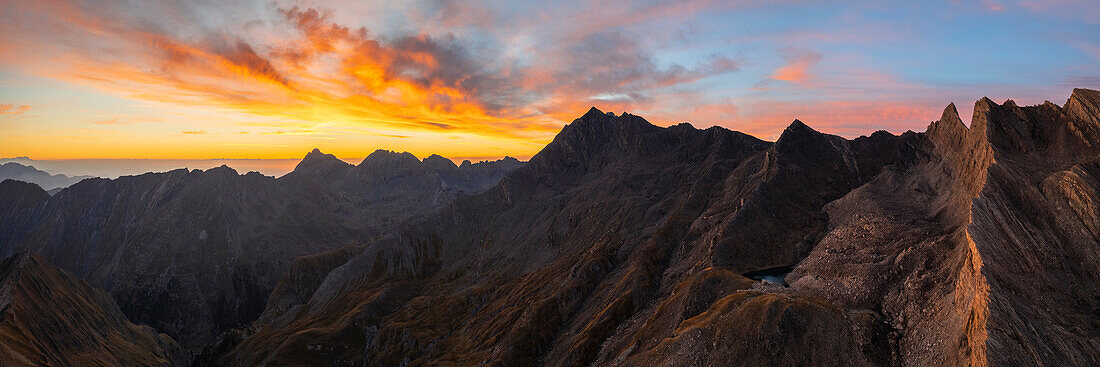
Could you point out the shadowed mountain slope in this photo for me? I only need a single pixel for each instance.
(50, 318)
(594, 232)
(193, 253)
(623, 243)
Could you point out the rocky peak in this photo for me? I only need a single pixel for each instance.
(222, 170)
(1006, 126)
(950, 116)
(949, 128)
(979, 121)
(1068, 131)
(594, 113)
(387, 163)
(797, 128)
(597, 131)
(503, 165)
(800, 137)
(1085, 103)
(382, 156)
(1084, 106)
(317, 162)
(437, 162)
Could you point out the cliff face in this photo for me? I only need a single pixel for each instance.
(1035, 225)
(623, 243)
(193, 253)
(50, 318)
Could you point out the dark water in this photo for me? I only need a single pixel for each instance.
(773, 275)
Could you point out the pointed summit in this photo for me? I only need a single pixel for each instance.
(797, 133)
(949, 129)
(318, 162)
(950, 114)
(593, 113)
(799, 125)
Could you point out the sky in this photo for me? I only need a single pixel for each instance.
(149, 79)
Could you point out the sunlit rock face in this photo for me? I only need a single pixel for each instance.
(622, 244)
(194, 253)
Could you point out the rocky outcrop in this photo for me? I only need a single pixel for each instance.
(50, 318)
(194, 253)
(1035, 226)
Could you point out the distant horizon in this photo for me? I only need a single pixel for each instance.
(116, 167)
(277, 167)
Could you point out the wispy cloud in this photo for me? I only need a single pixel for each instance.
(799, 61)
(125, 120)
(1081, 81)
(12, 109)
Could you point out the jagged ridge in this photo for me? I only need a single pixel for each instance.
(621, 243)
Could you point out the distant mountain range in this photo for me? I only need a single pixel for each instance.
(19, 172)
(621, 243)
(193, 253)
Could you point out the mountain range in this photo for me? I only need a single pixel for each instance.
(19, 172)
(620, 243)
(193, 253)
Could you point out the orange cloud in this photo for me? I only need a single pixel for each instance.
(11, 109)
(304, 69)
(799, 61)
